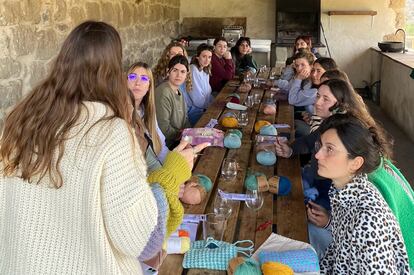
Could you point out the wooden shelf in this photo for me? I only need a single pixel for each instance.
(371, 13)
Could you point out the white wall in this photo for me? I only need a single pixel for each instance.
(349, 37)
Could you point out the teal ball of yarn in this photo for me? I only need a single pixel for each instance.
(266, 158)
(249, 267)
(251, 182)
(268, 130)
(284, 186)
(236, 131)
(232, 141)
(205, 182)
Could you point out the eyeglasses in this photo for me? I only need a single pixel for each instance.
(327, 150)
(134, 77)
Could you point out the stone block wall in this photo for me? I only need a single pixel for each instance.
(31, 32)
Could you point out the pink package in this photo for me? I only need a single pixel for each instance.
(196, 136)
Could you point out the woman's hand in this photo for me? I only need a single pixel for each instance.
(306, 117)
(317, 215)
(189, 152)
(302, 75)
(181, 191)
(227, 55)
(283, 149)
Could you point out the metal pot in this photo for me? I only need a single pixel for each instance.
(391, 46)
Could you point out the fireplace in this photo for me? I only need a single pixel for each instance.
(297, 17)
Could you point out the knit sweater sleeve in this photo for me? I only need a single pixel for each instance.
(129, 209)
(157, 236)
(299, 96)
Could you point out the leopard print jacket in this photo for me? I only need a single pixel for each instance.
(366, 236)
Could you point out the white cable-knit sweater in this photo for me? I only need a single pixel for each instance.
(98, 222)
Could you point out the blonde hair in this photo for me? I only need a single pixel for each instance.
(160, 70)
(148, 101)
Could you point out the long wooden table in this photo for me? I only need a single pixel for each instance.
(286, 213)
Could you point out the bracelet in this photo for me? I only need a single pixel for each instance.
(328, 224)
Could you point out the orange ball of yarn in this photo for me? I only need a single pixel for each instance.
(271, 268)
(259, 124)
(229, 122)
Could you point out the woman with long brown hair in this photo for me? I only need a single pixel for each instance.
(161, 69)
(152, 144)
(73, 190)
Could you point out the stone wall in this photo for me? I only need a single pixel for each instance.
(31, 32)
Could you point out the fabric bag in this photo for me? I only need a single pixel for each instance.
(213, 254)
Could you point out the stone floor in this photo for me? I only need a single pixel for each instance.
(403, 146)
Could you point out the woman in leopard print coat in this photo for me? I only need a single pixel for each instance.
(366, 236)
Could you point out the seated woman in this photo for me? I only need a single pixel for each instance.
(301, 42)
(243, 60)
(161, 69)
(199, 98)
(363, 226)
(151, 141)
(333, 96)
(301, 90)
(222, 66)
(170, 104)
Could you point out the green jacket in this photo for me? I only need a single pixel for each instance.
(399, 195)
(171, 113)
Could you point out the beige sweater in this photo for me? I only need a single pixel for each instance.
(98, 222)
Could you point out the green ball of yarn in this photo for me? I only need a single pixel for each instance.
(232, 141)
(249, 267)
(268, 130)
(266, 158)
(236, 131)
(251, 181)
(205, 182)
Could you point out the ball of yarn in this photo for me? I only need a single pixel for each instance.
(205, 182)
(271, 268)
(251, 182)
(232, 141)
(236, 131)
(234, 99)
(259, 124)
(268, 130)
(279, 185)
(177, 245)
(266, 158)
(229, 122)
(248, 267)
(234, 95)
(269, 109)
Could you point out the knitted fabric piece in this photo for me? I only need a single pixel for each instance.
(212, 254)
(174, 172)
(302, 260)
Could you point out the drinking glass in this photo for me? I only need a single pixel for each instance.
(229, 169)
(243, 118)
(249, 101)
(256, 98)
(256, 83)
(254, 199)
(213, 226)
(222, 206)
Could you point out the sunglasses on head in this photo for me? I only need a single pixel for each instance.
(135, 77)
